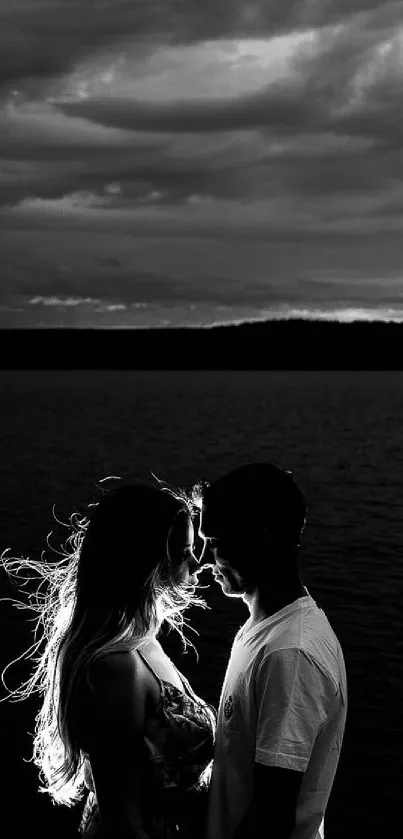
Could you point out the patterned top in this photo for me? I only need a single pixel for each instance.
(179, 744)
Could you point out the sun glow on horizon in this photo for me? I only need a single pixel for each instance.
(340, 315)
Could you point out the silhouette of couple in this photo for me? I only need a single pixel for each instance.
(120, 728)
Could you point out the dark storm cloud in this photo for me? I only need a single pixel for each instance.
(139, 173)
(136, 143)
(324, 96)
(311, 99)
(20, 140)
(340, 173)
(379, 116)
(46, 38)
(280, 108)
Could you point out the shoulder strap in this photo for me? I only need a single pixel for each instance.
(148, 665)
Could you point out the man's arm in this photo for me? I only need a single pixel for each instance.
(272, 812)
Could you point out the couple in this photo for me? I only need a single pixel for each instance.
(120, 723)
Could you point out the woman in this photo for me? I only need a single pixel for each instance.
(118, 722)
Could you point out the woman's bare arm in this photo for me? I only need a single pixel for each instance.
(115, 742)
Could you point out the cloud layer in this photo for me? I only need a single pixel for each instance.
(244, 155)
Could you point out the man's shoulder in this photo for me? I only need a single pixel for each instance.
(307, 632)
(298, 674)
(320, 643)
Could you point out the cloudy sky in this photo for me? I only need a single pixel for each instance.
(191, 162)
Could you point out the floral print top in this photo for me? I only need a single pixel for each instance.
(179, 745)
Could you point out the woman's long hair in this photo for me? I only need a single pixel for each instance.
(112, 590)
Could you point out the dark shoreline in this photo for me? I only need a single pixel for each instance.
(272, 345)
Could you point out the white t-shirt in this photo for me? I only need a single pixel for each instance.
(283, 703)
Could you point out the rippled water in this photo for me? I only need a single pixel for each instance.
(341, 434)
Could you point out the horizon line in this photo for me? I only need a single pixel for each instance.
(187, 327)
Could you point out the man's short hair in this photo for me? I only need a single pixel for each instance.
(257, 494)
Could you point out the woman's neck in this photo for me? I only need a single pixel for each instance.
(149, 642)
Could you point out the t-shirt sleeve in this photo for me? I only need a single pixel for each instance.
(293, 698)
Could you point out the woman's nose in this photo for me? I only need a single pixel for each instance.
(206, 557)
(193, 565)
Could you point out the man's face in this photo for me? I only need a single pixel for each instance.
(218, 553)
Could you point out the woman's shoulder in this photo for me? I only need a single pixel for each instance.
(116, 667)
(114, 662)
(115, 680)
(115, 696)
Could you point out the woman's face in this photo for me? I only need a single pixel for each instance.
(180, 547)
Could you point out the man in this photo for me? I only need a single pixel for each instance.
(284, 699)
